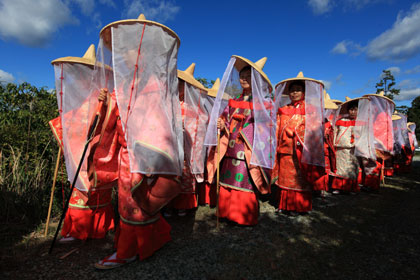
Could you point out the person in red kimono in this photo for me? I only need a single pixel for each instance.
(90, 213)
(207, 193)
(346, 176)
(241, 180)
(291, 174)
(375, 169)
(411, 126)
(147, 134)
(321, 184)
(192, 95)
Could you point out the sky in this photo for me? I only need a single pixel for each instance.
(344, 43)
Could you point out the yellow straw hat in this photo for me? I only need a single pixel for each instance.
(408, 126)
(299, 77)
(381, 94)
(395, 117)
(188, 76)
(213, 90)
(336, 101)
(106, 31)
(241, 62)
(89, 58)
(348, 100)
(328, 103)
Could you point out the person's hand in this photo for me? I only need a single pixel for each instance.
(220, 124)
(103, 94)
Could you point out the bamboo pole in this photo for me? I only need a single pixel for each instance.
(57, 164)
(218, 178)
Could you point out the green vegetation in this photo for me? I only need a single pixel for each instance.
(27, 156)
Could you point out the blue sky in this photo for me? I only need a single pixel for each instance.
(345, 43)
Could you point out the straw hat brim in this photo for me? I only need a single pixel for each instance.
(395, 117)
(241, 62)
(346, 103)
(149, 22)
(328, 104)
(72, 59)
(381, 96)
(299, 79)
(191, 80)
(336, 101)
(211, 92)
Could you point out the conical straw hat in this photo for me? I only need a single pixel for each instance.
(141, 19)
(213, 90)
(188, 76)
(300, 77)
(336, 101)
(395, 117)
(89, 58)
(410, 124)
(382, 95)
(241, 62)
(328, 104)
(344, 105)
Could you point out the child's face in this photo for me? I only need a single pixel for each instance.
(296, 93)
(353, 113)
(245, 79)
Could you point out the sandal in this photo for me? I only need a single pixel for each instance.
(67, 239)
(112, 261)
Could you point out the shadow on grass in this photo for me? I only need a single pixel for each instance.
(363, 236)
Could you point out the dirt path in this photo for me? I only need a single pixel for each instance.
(364, 236)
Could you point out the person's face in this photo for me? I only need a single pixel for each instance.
(181, 88)
(245, 79)
(296, 93)
(353, 113)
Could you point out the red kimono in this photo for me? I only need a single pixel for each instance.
(142, 230)
(296, 191)
(90, 214)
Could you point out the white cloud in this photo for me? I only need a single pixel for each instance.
(6, 77)
(358, 4)
(87, 6)
(407, 83)
(414, 70)
(32, 23)
(320, 6)
(395, 71)
(399, 43)
(109, 3)
(327, 84)
(347, 46)
(340, 48)
(407, 94)
(160, 11)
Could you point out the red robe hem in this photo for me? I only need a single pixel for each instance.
(295, 201)
(142, 240)
(238, 206)
(185, 201)
(88, 223)
(345, 184)
(207, 194)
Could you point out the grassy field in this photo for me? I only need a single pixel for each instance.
(363, 236)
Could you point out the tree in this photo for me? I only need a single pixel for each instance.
(205, 82)
(386, 84)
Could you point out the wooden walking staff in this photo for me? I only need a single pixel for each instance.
(218, 177)
(57, 164)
